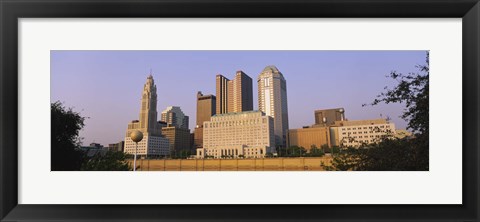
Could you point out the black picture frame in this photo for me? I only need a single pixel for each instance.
(11, 11)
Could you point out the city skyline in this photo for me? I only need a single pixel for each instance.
(92, 82)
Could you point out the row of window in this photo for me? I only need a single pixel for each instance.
(234, 123)
(370, 127)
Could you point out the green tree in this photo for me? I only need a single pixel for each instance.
(387, 155)
(325, 148)
(315, 152)
(66, 154)
(65, 126)
(282, 151)
(110, 161)
(335, 150)
(412, 90)
(295, 151)
(397, 154)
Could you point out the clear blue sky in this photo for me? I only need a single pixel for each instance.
(106, 86)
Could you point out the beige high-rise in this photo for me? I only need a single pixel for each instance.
(234, 95)
(222, 94)
(272, 100)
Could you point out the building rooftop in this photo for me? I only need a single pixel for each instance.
(323, 110)
(237, 113)
(361, 122)
(271, 68)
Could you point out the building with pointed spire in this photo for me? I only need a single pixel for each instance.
(272, 100)
(153, 143)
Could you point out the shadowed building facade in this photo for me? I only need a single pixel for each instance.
(272, 100)
(153, 143)
(117, 147)
(327, 117)
(206, 108)
(234, 95)
(178, 138)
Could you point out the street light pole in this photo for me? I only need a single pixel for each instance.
(135, 157)
(324, 120)
(136, 137)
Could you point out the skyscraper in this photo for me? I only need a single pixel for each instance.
(153, 142)
(174, 116)
(206, 108)
(234, 95)
(242, 93)
(222, 94)
(272, 100)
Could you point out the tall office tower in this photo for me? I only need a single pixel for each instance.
(234, 95)
(222, 94)
(242, 93)
(272, 100)
(205, 110)
(153, 143)
(148, 112)
(327, 117)
(174, 116)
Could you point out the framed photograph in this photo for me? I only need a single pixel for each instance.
(226, 110)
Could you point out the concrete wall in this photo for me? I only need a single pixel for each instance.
(268, 164)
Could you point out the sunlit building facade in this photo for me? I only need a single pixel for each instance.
(234, 95)
(245, 134)
(309, 137)
(272, 100)
(357, 132)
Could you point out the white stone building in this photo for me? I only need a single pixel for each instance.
(244, 134)
(357, 132)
